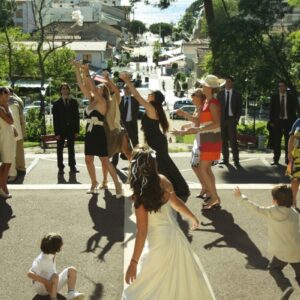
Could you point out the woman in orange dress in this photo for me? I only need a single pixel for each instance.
(210, 136)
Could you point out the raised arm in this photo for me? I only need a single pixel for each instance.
(125, 77)
(89, 82)
(79, 79)
(141, 234)
(260, 210)
(112, 86)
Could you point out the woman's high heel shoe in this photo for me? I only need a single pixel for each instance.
(119, 190)
(103, 185)
(202, 195)
(211, 204)
(93, 189)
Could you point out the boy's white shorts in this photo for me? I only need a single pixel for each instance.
(40, 289)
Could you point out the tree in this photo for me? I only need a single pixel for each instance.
(156, 52)
(163, 29)
(45, 38)
(136, 27)
(6, 20)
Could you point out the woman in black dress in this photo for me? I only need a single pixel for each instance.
(95, 143)
(153, 119)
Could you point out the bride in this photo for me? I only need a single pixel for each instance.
(170, 269)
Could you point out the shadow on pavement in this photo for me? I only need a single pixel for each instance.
(6, 214)
(98, 292)
(38, 297)
(249, 174)
(233, 236)
(72, 178)
(108, 222)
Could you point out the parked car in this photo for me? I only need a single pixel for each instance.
(187, 108)
(180, 103)
(29, 108)
(38, 103)
(84, 103)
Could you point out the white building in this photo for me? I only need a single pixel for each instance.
(94, 53)
(61, 11)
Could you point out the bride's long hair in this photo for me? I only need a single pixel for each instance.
(144, 180)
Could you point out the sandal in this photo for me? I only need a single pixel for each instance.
(212, 204)
(94, 189)
(202, 195)
(103, 185)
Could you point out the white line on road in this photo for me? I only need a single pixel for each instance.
(192, 186)
(32, 165)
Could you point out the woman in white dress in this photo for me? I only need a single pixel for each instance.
(7, 141)
(169, 269)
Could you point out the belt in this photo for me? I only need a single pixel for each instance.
(93, 121)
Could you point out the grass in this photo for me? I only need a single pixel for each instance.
(28, 144)
(186, 139)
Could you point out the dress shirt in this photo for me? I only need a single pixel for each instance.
(285, 104)
(127, 99)
(230, 114)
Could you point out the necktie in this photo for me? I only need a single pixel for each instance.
(282, 107)
(66, 102)
(227, 105)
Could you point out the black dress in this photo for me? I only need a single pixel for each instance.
(95, 139)
(158, 142)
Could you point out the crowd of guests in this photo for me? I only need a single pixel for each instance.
(156, 183)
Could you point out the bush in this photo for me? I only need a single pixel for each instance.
(33, 125)
(260, 128)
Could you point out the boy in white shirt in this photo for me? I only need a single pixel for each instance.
(43, 272)
(284, 234)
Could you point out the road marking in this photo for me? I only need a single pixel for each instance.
(192, 186)
(32, 165)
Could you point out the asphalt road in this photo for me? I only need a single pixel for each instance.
(231, 242)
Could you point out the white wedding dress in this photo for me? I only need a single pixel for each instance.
(170, 270)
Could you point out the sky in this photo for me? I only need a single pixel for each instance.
(149, 14)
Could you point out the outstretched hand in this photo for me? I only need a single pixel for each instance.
(176, 132)
(76, 63)
(195, 223)
(105, 75)
(237, 193)
(124, 76)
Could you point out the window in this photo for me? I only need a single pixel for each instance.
(87, 58)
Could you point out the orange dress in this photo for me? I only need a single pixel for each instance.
(211, 141)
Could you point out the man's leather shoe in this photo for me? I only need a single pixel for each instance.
(223, 162)
(74, 170)
(274, 163)
(237, 165)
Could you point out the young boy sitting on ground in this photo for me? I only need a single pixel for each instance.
(43, 272)
(284, 235)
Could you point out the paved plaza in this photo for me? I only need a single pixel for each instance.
(98, 231)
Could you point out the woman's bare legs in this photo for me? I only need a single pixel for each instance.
(89, 161)
(4, 169)
(103, 185)
(113, 173)
(197, 172)
(295, 187)
(126, 147)
(209, 181)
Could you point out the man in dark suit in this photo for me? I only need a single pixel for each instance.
(66, 123)
(231, 109)
(129, 108)
(283, 113)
